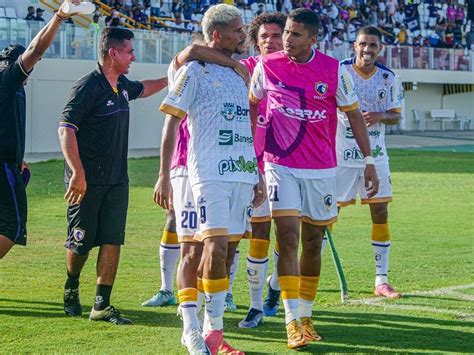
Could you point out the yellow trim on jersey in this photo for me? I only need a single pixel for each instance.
(215, 286)
(352, 107)
(285, 213)
(254, 99)
(213, 232)
(362, 74)
(261, 219)
(188, 294)
(368, 201)
(308, 287)
(289, 286)
(318, 223)
(21, 67)
(171, 110)
(396, 110)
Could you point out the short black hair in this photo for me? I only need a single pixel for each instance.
(10, 54)
(112, 37)
(264, 19)
(308, 18)
(371, 31)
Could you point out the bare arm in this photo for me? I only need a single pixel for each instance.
(163, 194)
(43, 39)
(361, 136)
(153, 86)
(77, 185)
(388, 117)
(210, 55)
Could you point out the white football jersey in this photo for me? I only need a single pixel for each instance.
(216, 101)
(377, 92)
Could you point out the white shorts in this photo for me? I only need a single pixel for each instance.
(350, 183)
(224, 208)
(184, 208)
(262, 213)
(310, 199)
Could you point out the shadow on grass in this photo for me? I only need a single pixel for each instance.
(369, 332)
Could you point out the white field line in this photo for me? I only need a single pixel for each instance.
(447, 291)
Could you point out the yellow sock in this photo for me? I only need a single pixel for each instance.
(308, 287)
(215, 286)
(169, 237)
(380, 232)
(289, 286)
(189, 294)
(200, 288)
(259, 248)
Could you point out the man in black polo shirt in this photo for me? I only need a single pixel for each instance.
(94, 139)
(16, 63)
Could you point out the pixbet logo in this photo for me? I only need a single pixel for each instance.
(240, 165)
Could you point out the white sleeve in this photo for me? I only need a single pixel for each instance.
(346, 97)
(257, 89)
(394, 96)
(171, 74)
(182, 95)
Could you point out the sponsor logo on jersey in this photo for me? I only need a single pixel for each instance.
(374, 133)
(349, 133)
(239, 165)
(346, 83)
(356, 154)
(228, 137)
(304, 115)
(125, 94)
(109, 103)
(377, 152)
(232, 111)
(181, 85)
(321, 88)
(189, 204)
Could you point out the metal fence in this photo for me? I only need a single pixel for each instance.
(160, 47)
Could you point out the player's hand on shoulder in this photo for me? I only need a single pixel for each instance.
(243, 72)
(163, 193)
(76, 189)
(371, 180)
(372, 118)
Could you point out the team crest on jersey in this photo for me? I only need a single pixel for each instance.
(321, 88)
(385, 76)
(125, 94)
(78, 234)
(249, 212)
(328, 201)
(382, 93)
(228, 112)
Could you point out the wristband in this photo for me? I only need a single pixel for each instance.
(60, 19)
(369, 160)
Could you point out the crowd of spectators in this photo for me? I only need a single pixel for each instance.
(420, 23)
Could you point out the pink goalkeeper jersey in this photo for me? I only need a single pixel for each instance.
(259, 135)
(301, 114)
(180, 156)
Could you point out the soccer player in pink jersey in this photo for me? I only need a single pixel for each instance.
(265, 35)
(379, 98)
(304, 89)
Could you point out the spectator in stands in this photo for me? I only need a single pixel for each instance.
(261, 9)
(155, 8)
(39, 15)
(113, 19)
(400, 16)
(31, 14)
(457, 36)
(451, 13)
(402, 36)
(459, 15)
(139, 16)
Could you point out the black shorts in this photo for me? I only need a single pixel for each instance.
(13, 208)
(99, 219)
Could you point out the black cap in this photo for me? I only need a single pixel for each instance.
(39, 9)
(12, 52)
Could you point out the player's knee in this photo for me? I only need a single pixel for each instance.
(261, 230)
(289, 243)
(380, 214)
(216, 252)
(192, 254)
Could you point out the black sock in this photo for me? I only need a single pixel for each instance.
(102, 297)
(72, 281)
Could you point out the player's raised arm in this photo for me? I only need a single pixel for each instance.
(257, 93)
(44, 38)
(151, 87)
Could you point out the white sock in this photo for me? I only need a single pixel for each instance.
(169, 254)
(189, 315)
(233, 270)
(214, 317)
(381, 252)
(200, 301)
(256, 274)
(323, 245)
(306, 308)
(274, 284)
(292, 310)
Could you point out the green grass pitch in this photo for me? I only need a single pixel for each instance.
(432, 226)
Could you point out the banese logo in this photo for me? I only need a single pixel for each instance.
(228, 137)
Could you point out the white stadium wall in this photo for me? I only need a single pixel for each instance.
(47, 91)
(51, 80)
